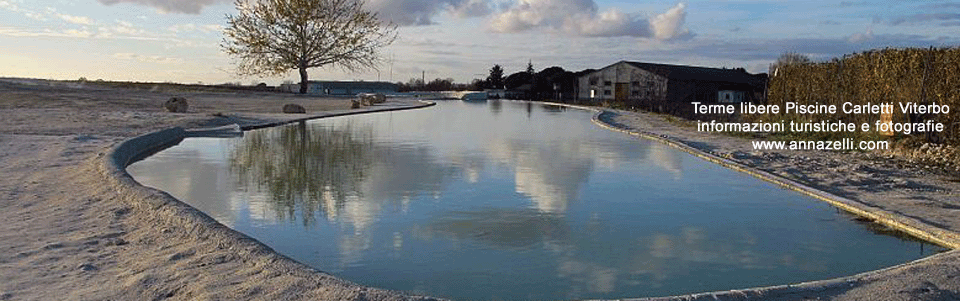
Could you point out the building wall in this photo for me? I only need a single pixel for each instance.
(348, 88)
(634, 85)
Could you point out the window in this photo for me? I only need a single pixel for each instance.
(636, 83)
(594, 80)
(606, 92)
(593, 93)
(607, 83)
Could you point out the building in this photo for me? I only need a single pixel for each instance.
(669, 88)
(342, 87)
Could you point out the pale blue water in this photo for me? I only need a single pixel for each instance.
(513, 200)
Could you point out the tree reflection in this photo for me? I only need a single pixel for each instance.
(305, 168)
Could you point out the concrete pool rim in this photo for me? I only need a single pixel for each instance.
(113, 168)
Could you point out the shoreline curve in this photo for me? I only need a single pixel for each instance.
(167, 211)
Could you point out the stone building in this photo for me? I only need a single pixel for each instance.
(669, 88)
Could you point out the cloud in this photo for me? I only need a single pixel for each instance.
(583, 18)
(190, 27)
(75, 19)
(7, 5)
(817, 48)
(77, 33)
(421, 12)
(67, 33)
(914, 19)
(146, 58)
(669, 25)
(170, 6)
(861, 37)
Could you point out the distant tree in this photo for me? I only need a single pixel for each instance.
(480, 84)
(550, 81)
(530, 69)
(788, 58)
(415, 83)
(495, 80)
(440, 85)
(516, 80)
(271, 37)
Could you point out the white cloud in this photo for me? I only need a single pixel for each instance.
(861, 37)
(123, 28)
(68, 33)
(7, 5)
(583, 18)
(76, 19)
(13, 7)
(190, 27)
(669, 25)
(146, 58)
(77, 33)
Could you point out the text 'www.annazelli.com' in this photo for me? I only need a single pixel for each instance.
(845, 144)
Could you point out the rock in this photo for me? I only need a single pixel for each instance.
(87, 267)
(293, 109)
(379, 98)
(176, 105)
(368, 99)
(355, 104)
(364, 100)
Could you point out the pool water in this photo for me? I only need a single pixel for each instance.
(508, 200)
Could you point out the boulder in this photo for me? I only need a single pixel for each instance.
(364, 99)
(176, 105)
(379, 98)
(293, 109)
(354, 103)
(368, 99)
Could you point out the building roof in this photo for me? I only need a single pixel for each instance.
(680, 72)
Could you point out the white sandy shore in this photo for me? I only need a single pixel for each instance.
(76, 230)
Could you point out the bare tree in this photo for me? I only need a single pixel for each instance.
(271, 37)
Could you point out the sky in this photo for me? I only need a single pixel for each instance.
(179, 40)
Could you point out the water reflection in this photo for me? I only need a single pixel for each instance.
(303, 169)
(543, 204)
(498, 227)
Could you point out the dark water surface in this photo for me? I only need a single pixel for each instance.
(513, 200)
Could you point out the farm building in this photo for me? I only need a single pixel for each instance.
(669, 88)
(342, 87)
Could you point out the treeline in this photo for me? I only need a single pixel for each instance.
(919, 75)
(440, 84)
(553, 84)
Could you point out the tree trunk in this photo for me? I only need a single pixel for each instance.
(303, 79)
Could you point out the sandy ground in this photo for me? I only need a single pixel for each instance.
(72, 231)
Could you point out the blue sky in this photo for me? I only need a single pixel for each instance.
(178, 40)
